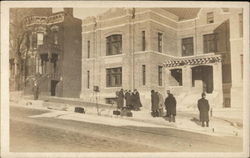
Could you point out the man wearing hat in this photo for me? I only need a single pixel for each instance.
(203, 107)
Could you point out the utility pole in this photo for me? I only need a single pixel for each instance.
(133, 49)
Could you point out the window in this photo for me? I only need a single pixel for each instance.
(143, 41)
(242, 66)
(39, 38)
(88, 77)
(88, 49)
(210, 17)
(110, 100)
(114, 45)
(160, 75)
(187, 46)
(176, 77)
(143, 74)
(241, 24)
(55, 38)
(227, 102)
(44, 63)
(210, 43)
(159, 42)
(114, 77)
(34, 40)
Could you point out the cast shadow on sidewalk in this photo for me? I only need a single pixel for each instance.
(195, 120)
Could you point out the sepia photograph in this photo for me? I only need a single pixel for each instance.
(130, 80)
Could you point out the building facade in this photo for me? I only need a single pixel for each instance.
(188, 51)
(50, 54)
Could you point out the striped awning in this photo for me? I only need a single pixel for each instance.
(194, 60)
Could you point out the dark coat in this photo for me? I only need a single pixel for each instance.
(36, 92)
(128, 99)
(154, 101)
(170, 103)
(137, 100)
(120, 99)
(203, 107)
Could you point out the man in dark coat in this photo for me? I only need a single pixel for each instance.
(170, 103)
(120, 100)
(155, 103)
(203, 107)
(128, 99)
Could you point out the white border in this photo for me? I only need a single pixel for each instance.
(106, 4)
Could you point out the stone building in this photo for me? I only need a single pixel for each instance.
(15, 41)
(188, 51)
(51, 53)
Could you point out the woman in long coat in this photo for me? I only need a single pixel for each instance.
(155, 103)
(170, 103)
(137, 100)
(128, 99)
(120, 99)
(161, 102)
(203, 107)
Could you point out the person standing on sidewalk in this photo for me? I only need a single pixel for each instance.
(35, 90)
(120, 100)
(128, 99)
(170, 103)
(155, 103)
(203, 107)
(161, 102)
(137, 100)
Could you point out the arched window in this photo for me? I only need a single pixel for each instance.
(114, 44)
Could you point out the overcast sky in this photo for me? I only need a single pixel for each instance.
(82, 13)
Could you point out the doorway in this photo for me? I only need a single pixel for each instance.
(53, 87)
(205, 74)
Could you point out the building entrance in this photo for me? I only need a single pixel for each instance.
(204, 74)
(53, 87)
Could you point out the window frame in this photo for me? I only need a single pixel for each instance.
(143, 75)
(88, 49)
(185, 41)
(160, 42)
(114, 77)
(111, 41)
(160, 74)
(210, 17)
(143, 40)
(39, 41)
(209, 39)
(88, 79)
(241, 25)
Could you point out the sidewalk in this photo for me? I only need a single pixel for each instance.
(187, 121)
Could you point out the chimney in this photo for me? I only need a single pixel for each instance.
(68, 11)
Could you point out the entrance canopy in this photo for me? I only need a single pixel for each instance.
(192, 60)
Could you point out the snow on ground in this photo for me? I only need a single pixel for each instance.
(140, 118)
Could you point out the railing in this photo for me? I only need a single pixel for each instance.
(44, 20)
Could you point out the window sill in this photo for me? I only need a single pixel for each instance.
(110, 56)
(112, 87)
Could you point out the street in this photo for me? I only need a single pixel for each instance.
(56, 135)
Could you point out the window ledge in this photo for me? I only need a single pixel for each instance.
(113, 56)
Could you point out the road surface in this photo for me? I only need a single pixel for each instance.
(56, 135)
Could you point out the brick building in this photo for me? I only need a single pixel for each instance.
(185, 50)
(51, 54)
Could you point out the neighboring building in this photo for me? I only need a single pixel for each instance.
(185, 50)
(16, 32)
(51, 54)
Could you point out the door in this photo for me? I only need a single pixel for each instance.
(53, 87)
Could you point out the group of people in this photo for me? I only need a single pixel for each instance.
(132, 99)
(158, 103)
(170, 106)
